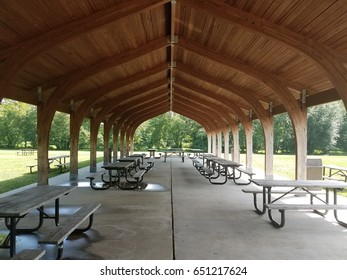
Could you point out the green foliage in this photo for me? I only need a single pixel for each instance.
(341, 137)
(321, 127)
(284, 139)
(327, 131)
(18, 128)
(60, 132)
(13, 123)
(170, 131)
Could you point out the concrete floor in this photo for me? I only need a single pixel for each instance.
(180, 215)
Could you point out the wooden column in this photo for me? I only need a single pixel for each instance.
(248, 128)
(226, 143)
(219, 143)
(115, 142)
(209, 143)
(107, 130)
(121, 141)
(74, 136)
(43, 129)
(300, 130)
(94, 129)
(214, 143)
(236, 143)
(268, 127)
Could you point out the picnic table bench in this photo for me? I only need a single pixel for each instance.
(58, 235)
(247, 171)
(29, 254)
(60, 161)
(31, 166)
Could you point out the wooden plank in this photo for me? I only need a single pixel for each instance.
(306, 207)
(59, 234)
(22, 202)
(29, 254)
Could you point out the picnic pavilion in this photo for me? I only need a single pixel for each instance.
(220, 63)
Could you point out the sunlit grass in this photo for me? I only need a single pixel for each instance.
(15, 173)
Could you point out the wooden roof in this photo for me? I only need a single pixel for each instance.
(213, 61)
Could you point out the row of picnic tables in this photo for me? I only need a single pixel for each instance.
(219, 170)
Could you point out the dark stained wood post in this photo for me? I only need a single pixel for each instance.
(94, 128)
(43, 129)
(115, 141)
(74, 137)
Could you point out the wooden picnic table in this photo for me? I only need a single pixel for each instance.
(221, 167)
(288, 187)
(59, 160)
(135, 160)
(180, 153)
(334, 172)
(16, 206)
(151, 152)
(119, 167)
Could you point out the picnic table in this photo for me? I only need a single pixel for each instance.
(59, 160)
(223, 167)
(120, 167)
(180, 153)
(16, 206)
(26, 151)
(151, 152)
(334, 172)
(289, 187)
(136, 160)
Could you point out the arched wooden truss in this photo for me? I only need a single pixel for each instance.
(220, 63)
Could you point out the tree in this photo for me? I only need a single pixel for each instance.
(29, 127)
(60, 131)
(258, 137)
(11, 115)
(170, 131)
(283, 134)
(321, 128)
(341, 137)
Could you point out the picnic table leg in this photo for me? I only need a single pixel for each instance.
(326, 202)
(10, 241)
(275, 223)
(255, 203)
(218, 174)
(335, 211)
(12, 236)
(8, 223)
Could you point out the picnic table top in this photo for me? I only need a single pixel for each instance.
(299, 183)
(20, 203)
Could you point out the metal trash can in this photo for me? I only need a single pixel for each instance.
(314, 169)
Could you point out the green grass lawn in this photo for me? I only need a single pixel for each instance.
(284, 165)
(15, 173)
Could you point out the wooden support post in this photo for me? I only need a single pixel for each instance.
(43, 129)
(236, 143)
(226, 143)
(209, 143)
(94, 128)
(219, 143)
(115, 142)
(74, 136)
(248, 128)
